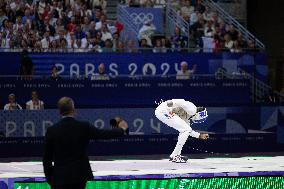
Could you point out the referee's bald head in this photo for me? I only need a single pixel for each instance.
(66, 106)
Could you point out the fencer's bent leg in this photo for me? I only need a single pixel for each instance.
(182, 138)
(182, 126)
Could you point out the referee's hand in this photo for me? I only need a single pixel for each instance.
(203, 136)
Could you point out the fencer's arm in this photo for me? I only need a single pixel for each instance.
(194, 134)
(95, 133)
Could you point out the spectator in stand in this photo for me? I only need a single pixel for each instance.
(19, 24)
(207, 14)
(200, 7)
(158, 48)
(186, 9)
(106, 35)
(41, 6)
(54, 74)
(108, 46)
(45, 42)
(133, 3)
(215, 17)
(98, 14)
(79, 34)
(86, 26)
(118, 26)
(71, 40)
(70, 26)
(115, 41)
(147, 3)
(47, 27)
(222, 26)
(27, 66)
(62, 46)
(242, 42)
(184, 73)
(35, 103)
(131, 46)
(101, 75)
(78, 46)
(120, 47)
(12, 105)
(209, 30)
(146, 32)
(27, 19)
(59, 26)
(251, 46)
(228, 42)
(233, 33)
(99, 4)
(2, 16)
(194, 17)
(103, 20)
(53, 46)
(99, 40)
(144, 46)
(217, 44)
(166, 43)
(178, 40)
(236, 47)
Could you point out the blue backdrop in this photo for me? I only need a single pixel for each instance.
(128, 92)
(137, 63)
(142, 121)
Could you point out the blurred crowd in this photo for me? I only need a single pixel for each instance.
(83, 26)
(143, 3)
(207, 29)
(57, 26)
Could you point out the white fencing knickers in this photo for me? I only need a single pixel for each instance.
(174, 121)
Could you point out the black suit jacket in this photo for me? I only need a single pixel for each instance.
(65, 159)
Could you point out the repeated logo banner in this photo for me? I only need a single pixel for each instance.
(132, 64)
(128, 92)
(141, 15)
(142, 121)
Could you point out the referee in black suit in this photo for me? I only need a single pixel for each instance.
(65, 161)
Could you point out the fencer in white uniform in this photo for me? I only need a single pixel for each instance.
(178, 114)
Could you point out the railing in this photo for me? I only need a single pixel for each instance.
(230, 20)
(259, 89)
(174, 19)
(237, 9)
(130, 30)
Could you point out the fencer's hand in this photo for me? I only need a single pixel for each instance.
(203, 136)
(123, 125)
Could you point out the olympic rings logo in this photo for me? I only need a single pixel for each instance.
(141, 17)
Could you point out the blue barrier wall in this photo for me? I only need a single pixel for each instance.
(137, 63)
(142, 121)
(129, 92)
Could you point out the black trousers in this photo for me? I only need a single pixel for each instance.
(70, 186)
